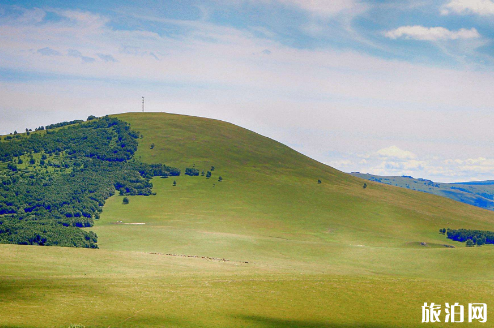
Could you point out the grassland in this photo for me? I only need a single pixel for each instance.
(319, 255)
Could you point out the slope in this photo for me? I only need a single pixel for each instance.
(319, 255)
(269, 195)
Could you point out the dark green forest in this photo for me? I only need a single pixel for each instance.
(55, 181)
(472, 237)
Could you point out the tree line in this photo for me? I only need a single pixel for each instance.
(48, 199)
(472, 237)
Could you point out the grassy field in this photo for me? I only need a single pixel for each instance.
(266, 247)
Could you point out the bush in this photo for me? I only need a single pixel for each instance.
(125, 200)
(191, 172)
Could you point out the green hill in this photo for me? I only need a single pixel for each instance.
(268, 246)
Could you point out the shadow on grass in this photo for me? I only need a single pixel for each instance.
(260, 321)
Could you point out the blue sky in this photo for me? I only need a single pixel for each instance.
(385, 87)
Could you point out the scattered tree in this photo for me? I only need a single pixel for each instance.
(192, 172)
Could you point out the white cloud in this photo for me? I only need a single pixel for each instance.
(320, 7)
(479, 7)
(323, 7)
(395, 152)
(418, 32)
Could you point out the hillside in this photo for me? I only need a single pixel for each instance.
(267, 246)
(476, 193)
(268, 191)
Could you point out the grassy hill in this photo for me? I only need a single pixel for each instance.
(476, 193)
(268, 246)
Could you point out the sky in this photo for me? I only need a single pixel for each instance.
(382, 87)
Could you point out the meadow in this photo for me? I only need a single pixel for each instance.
(268, 246)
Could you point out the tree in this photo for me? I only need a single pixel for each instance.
(192, 172)
(12, 167)
(174, 183)
(202, 173)
(319, 181)
(91, 117)
(212, 168)
(220, 179)
(470, 243)
(125, 201)
(365, 185)
(152, 146)
(208, 175)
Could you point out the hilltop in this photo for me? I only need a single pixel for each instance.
(280, 240)
(268, 191)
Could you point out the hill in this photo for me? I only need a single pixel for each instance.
(267, 246)
(476, 193)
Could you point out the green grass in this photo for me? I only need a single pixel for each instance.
(319, 255)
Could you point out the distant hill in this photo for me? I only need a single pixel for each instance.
(476, 193)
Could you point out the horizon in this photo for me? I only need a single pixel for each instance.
(384, 88)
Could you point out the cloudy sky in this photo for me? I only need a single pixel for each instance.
(385, 87)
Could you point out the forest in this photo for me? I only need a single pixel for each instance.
(55, 181)
(472, 237)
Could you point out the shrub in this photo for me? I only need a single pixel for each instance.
(191, 172)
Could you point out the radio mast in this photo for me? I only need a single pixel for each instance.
(143, 104)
